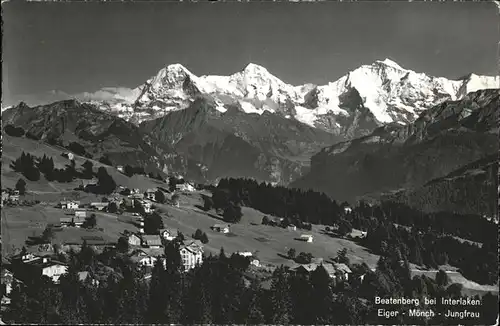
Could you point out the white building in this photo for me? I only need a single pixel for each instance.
(168, 234)
(50, 268)
(191, 255)
(150, 194)
(222, 228)
(70, 204)
(185, 187)
(306, 237)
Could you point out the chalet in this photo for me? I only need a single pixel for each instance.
(305, 268)
(191, 255)
(168, 234)
(343, 271)
(222, 228)
(99, 206)
(185, 187)
(306, 237)
(80, 213)
(78, 219)
(330, 269)
(50, 268)
(292, 227)
(147, 257)
(70, 204)
(150, 194)
(151, 241)
(134, 240)
(14, 198)
(66, 221)
(347, 210)
(244, 253)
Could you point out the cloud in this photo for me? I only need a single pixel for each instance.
(107, 94)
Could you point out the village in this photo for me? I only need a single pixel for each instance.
(143, 248)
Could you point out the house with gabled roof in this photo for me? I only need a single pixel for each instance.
(222, 228)
(342, 270)
(69, 204)
(99, 205)
(134, 239)
(48, 267)
(306, 237)
(150, 194)
(151, 241)
(148, 256)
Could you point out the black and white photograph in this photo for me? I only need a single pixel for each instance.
(250, 162)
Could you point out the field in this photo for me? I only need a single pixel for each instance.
(20, 223)
(14, 146)
(270, 243)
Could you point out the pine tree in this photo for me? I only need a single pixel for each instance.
(197, 308)
(441, 278)
(87, 172)
(280, 297)
(21, 186)
(322, 296)
(254, 315)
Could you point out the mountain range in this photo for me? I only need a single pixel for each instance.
(378, 128)
(367, 97)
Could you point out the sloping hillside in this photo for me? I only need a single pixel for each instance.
(14, 146)
(443, 139)
(99, 133)
(471, 189)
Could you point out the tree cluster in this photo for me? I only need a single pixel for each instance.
(105, 160)
(430, 242)
(476, 262)
(105, 183)
(200, 235)
(14, 131)
(77, 148)
(294, 204)
(131, 170)
(26, 165)
(153, 223)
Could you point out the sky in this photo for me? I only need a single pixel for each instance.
(54, 49)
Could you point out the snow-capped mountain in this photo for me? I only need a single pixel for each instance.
(380, 93)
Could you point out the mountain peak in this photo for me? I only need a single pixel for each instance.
(254, 68)
(390, 63)
(176, 67)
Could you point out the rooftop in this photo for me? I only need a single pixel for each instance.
(151, 239)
